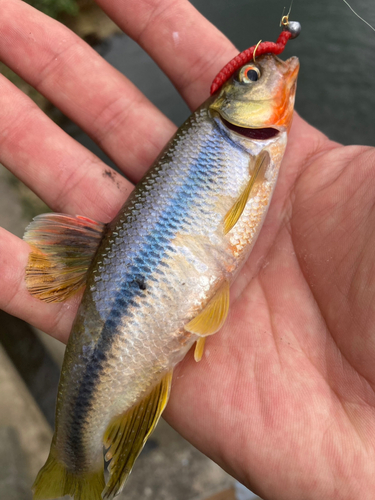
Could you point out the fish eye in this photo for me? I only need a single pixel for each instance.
(249, 74)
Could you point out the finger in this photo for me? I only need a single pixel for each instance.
(15, 299)
(59, 170)
(84, 86)
(186, 46)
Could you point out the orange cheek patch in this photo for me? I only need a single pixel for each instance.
(283, 109)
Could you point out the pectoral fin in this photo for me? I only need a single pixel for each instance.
(213, 316)
(127, 434)
(257, 175)
(63, 249)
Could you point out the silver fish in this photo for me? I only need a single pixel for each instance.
(159, 279)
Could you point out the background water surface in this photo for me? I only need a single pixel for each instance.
(336, 50)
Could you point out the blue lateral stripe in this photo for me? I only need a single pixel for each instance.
(148, 259)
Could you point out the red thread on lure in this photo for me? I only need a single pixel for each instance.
(247, 55)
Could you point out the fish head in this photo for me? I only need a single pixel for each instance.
(257, 102)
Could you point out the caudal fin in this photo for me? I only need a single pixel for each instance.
(55, 481)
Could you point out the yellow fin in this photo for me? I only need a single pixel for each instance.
(126, 435)
(63, 248)
(199, 349)
(235, 212)
(55, 481)
(213, 316)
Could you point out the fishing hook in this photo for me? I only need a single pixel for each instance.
(255, 50)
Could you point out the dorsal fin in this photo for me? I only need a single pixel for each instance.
(213, 316)
(63, 247)
(127, 434)
(261, 164)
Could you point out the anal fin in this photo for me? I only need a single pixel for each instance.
(63, 247)
(261, 165)
(213, 316)
(127, 434)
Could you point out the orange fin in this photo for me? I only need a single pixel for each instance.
(199, 349)
(127, 434)
(261, 165)
(63, 249)
(213, 316)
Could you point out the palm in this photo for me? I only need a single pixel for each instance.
(288, 383)
(283, 397)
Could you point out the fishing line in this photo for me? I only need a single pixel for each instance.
(285, 19)
(361, 18)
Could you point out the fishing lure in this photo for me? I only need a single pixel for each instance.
(158, 276)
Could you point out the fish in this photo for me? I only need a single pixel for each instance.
(157, 278)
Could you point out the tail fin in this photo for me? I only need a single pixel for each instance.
(55, 481)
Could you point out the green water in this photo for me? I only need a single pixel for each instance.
(336, 88)
(337, 53)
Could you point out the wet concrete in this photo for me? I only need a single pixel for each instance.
(14, 477)
(25, 428)
(173, 469)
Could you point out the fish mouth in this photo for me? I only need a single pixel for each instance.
(259, 134)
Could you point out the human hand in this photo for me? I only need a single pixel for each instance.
(283, 397)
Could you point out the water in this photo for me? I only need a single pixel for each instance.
(337, 79)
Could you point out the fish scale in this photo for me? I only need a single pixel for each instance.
(162, 262)
(128, 254)
(135, 251)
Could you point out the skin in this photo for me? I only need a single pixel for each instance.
(283, 398)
